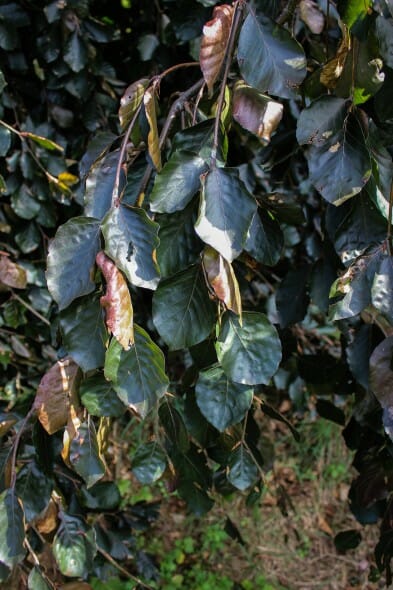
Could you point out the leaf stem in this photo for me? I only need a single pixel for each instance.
(16, 445)
(121, 569)
(187, 64)
(30, 308)
(228, 62)
(389, 232)
(176, 107)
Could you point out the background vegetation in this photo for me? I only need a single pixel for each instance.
(195, 275)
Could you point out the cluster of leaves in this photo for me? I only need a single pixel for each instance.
(212, 224)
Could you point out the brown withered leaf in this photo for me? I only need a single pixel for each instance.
(116, 302)
(56, 393)
(220, 276)
(131, 100)
(256, 112)
(312, 16)
(333, 69)
(11, 274)
(214, 42)
(48, 521)
(153, 143)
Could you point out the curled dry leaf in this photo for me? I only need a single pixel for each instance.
(220, 276)
(131, 100)
(116, 302)
(153, 142)
(11, 274)
(56, 394)
(333, 69)
(214, 42)
(312, 16)
(256, 112)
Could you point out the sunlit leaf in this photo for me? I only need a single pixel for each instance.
(44, 142)
(56, 392)
(74, 547)
(214, 42)
(250, 352)
(116, 302)
(269, 58)
(11, 274)
(148, 463)
(222, 279)
(256, 112)
(131, 100)
(221, 401)
(130, 241)
(149, 101)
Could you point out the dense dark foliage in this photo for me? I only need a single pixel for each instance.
(189, 259)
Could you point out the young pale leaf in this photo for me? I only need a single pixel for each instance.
(222, 279)
(11, 274)
(71, 260)
(179, 245)
(269, 58)
(177, 183)
(223, 193)
(56, 392)
(149, 101)
(131, 239)
(221, 401)
(12, 529)
(74, 547)
(265, 240)
(84, 334)
(182, 311)
(214, 42)
(116, 302)
(249, 353)
(138, 374)
(37, 581)
(131, 100)
(99, 397)
(34, 488)
(338, 158)
(85, 455)
(48, 144)
(256, 112)
(312, 16)
(242, 469)
(149, 463)
(353, 12)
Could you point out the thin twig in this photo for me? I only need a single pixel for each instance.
(30, 308)
(121, 569)
(16, 445)
(187, 64)
(228, 62)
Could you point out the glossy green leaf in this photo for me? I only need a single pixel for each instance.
(265, 240)
(75, 54)
(148, 463)
(243, 472)
(99, 397)
(131, 239)
(179, 245)
(100, 184)
(36, 580)
(354, 12)
(223, 193)
(104, 495)
(249, 353)
(221, 401)
(138, 374)
(85, 455)
(338, 159)
(84, 334)
(182, 311)
(198, 140)
(5, 140)
(174, 426)
(382, 287)
(74, 547)
(71, 260)
(269, 58)
(12, 529)
(34, 488)
(177, 183)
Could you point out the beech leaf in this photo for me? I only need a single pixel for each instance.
(312, 16)
(256, 112)
(85, 455)
(131, 100)
(214, 41)
(333, 69)
(149, 100)
(56, 393)
(11, 274)
(116, 302)
(220, 276)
